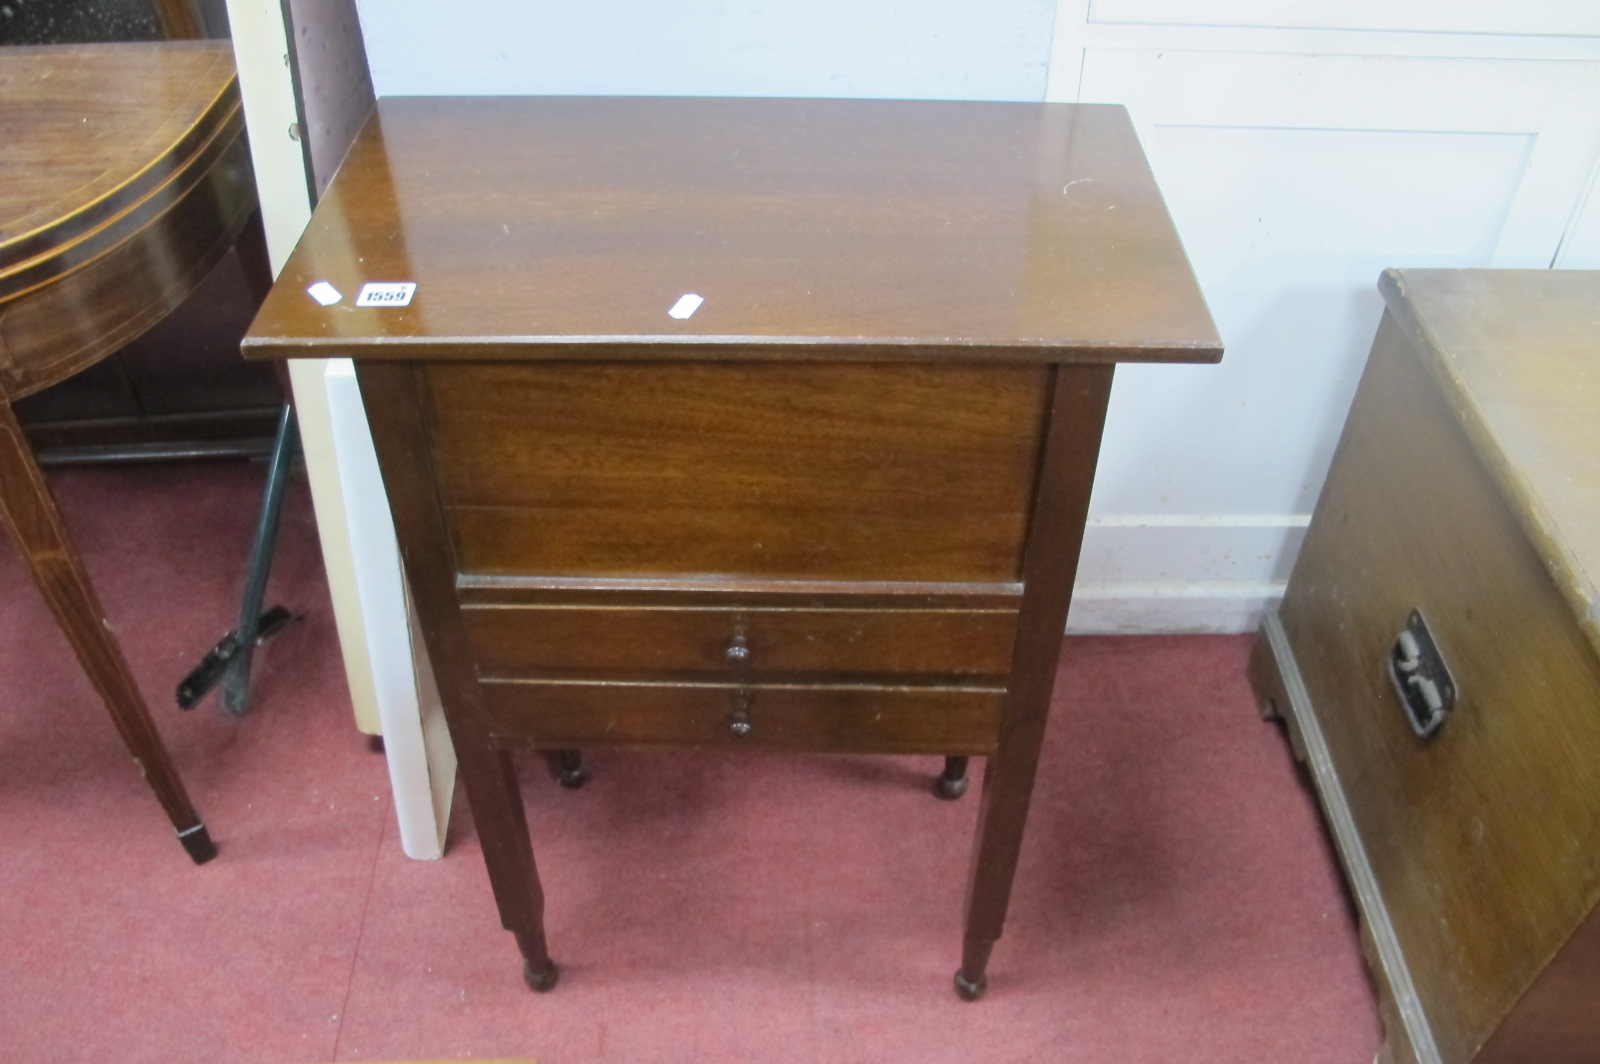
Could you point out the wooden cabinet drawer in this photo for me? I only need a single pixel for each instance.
(857, 718)
(805, 471)
(550, 638)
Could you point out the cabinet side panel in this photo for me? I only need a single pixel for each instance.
(1484, 839)
(1555, 1023)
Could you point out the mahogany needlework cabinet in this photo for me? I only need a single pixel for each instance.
(741, 424)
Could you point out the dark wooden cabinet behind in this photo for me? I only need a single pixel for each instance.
(1466, 488)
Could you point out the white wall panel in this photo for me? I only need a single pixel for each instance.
(1580, 249)
(961, 49)
(1288, 230)
(1154, 549)
(1294, 179)
(1526, 17)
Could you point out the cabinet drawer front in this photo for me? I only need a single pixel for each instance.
(856, 719)
(512, 639)
(1484, 838)
(793, 471)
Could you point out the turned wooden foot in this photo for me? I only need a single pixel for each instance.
(541, 979)
(538, 970)
(968, 990)
(569, 768)
(971, 978)
(952, 782)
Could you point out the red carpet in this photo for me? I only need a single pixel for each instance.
(1176, 899)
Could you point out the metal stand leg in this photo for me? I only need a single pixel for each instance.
(229, 661)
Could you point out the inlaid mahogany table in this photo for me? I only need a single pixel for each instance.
(740, 424)
(125, 179)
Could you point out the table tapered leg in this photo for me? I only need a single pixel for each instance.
(496, 800)
(1049, 566)
(31, 517)
(394, 408)
(1007, 792)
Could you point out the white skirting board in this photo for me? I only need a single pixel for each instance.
(1157, 573)
(1164, 609)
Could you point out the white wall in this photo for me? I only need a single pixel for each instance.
(949, 49)
(1303, 145)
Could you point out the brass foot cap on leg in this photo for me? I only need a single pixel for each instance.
(197, 841)
(949, 789)
(572, 779)
(970, 991)
(540, 980)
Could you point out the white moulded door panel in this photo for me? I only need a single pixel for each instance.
(1580, 250)
(939, 49)
(1294, 179)
(1526, 17)
(1289, 229)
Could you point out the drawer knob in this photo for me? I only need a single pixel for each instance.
(738, 652)
(739, 720)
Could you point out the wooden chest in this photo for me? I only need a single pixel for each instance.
(1459, 765)
(741, 424)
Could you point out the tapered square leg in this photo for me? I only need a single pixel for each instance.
(496, 800)
(389, 391)
(1007, 791)
(1049, 566)
(35, 525)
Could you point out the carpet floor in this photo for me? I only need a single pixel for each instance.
(1176, 901)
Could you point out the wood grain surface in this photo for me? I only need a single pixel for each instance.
(127, 179)
(1078, 401)
(567, 227)
(1484, 840)
(866, 459)
(858, 718)
(91, 130)
(1533, 420)
(795, 471)
(533, 639)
